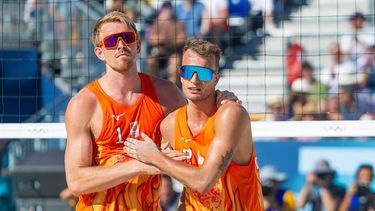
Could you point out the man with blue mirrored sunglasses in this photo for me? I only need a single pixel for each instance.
(220, 170)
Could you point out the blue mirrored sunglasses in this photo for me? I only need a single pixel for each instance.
(203, 73)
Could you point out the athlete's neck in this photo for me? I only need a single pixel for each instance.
(124, 87)
(198, 112)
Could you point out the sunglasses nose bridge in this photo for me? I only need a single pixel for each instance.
(194, 77)
(121, 42)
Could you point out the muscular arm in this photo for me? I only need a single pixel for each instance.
(81, 176)
(231, 125)
(169, 95)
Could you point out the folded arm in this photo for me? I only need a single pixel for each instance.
(82, 177)
(230, 125)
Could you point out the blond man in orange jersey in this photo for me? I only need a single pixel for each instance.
(122, 103)
(220, 171)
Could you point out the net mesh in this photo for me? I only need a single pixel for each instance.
(292, 60)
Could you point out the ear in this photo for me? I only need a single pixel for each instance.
(138, 46)
(99, 53)
(216, 78)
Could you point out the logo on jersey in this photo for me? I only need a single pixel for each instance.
(186, 140)
(117, 118)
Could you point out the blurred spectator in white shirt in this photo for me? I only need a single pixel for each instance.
(355, 44)
(330, 74)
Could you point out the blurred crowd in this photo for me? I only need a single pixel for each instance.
(320, 191)
(164, 25)
(342, 90)
(227, 23)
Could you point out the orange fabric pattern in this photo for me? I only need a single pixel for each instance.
(239, 188)
(120, 122)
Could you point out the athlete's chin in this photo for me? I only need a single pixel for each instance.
(125, 61)
(195, 98)
(122, 66)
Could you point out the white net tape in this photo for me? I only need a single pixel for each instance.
(276, 129)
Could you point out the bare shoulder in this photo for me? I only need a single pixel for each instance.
(169, 120)
(167, 128)
(82, 105)
(232, 109)
(170, 96)
(232, 114)
(82, 100)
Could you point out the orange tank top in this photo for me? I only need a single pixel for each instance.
(239, 187)
(120, 122)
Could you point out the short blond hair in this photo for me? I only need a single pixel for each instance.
(203, 48)
(111, 17)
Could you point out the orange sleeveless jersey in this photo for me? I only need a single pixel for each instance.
(238, 188)
(120, 122)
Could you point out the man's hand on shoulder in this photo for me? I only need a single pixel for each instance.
(225, 96)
